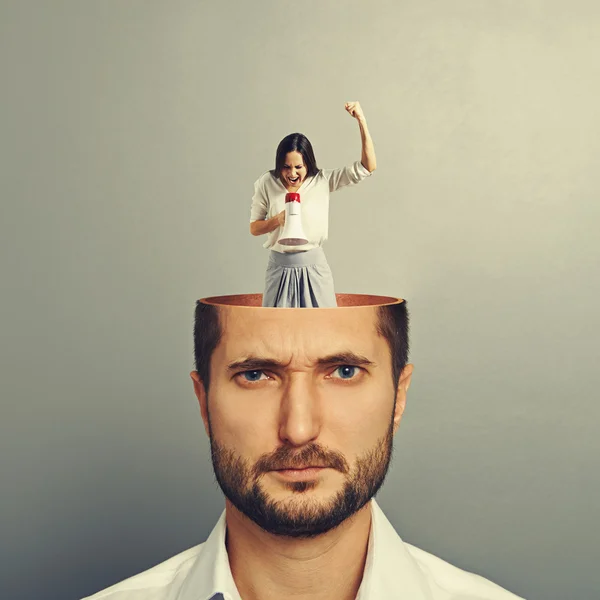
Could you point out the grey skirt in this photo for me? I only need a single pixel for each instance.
(299, 280)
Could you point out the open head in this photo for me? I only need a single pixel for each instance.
(301, 406)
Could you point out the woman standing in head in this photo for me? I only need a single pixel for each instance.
(299, 276)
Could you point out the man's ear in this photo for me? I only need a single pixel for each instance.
(202, 399)
(401, 391)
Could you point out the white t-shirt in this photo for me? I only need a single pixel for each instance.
(394, 570)
(269, 200)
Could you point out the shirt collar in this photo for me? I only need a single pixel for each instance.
(211, 573)
(389, 570)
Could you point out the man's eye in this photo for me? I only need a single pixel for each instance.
(251, 375)
(346, 372)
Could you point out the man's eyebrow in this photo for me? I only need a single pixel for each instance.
(256, 363)
(346, 358)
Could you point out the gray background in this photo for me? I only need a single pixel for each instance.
(131, 133)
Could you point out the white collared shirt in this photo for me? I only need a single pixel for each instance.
(269, 200)
(393, 570)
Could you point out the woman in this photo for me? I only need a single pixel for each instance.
(299, 276)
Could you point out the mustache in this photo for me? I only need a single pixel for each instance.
(313, 455)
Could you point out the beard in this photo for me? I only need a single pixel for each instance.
(303, 517)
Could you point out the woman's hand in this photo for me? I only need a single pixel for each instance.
(281, 218)
(261, 227)
(355, 110)
(367, 157)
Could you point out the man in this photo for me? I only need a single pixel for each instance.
(301, 408)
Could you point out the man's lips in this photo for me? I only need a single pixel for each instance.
(299, 474)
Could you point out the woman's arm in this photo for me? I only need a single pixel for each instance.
(367, 158)
(266, 226)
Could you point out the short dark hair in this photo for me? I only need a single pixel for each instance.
(393, 326)
(295, 142)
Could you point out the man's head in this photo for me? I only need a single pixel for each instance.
(282, 390)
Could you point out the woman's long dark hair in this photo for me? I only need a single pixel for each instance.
(295, 142)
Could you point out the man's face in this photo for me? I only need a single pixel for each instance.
(301, 414)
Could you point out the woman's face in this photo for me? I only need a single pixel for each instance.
(293, 172)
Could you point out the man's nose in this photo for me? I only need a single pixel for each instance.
(300, 412)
